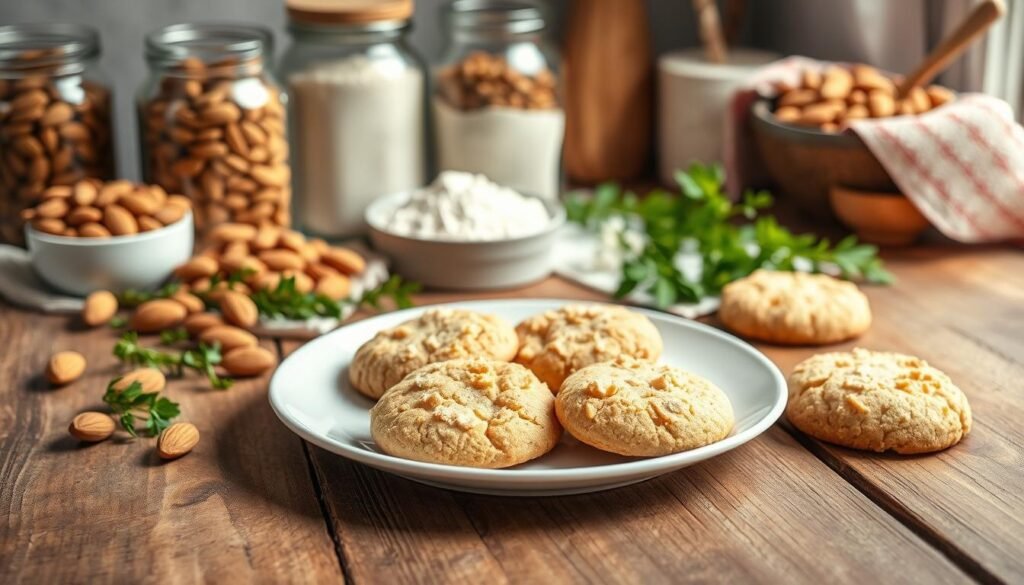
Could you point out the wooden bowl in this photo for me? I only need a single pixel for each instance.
(879, 218)
(807, 163)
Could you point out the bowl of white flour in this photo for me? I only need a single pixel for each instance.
(466, 232)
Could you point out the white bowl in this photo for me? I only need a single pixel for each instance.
(476, 265)
(80, 266)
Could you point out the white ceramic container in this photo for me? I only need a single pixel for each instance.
(80, 266)
(477, 265)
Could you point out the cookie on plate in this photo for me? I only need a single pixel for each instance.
(639, 408)
(469, 412)
(794, 308)
(557, 343)
(877, 401)
(435, 336)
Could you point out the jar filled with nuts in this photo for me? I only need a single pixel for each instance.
(213, 126)
(54, 115)
(496, 106)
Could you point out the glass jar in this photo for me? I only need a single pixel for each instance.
(357, 109)
(213, 126)
(54, 115)
(496, 105)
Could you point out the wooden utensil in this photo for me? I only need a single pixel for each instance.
(982, 17)
(710, 30)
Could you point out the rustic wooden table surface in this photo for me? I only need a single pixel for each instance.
(253, 502)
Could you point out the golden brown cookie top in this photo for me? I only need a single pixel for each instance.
(471, 412)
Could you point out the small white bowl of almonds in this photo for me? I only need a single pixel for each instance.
(115, 236)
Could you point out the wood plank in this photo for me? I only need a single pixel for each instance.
(962, 309)
(241, 507)
(758, 513)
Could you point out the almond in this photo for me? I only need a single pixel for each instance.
(279, 259)
(191, 302)
(344, 260)
(177, 440)
(157, 315)
(119, 221)
(151, 379)
(197, 267)
(91, 427)
(248, 361)
(228, 336)
(65, 367)
(333, 287)
(100, 307)
(239, 309)
(199, 322)
(93, 230)
(229, 232)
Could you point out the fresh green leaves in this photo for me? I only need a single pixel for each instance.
(132, 404)
(201, 359)
(733, 239)
(133, 298)
(288, 302)
(172, 336)
(394, 288)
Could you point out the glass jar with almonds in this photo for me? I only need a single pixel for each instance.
(212, 124)
(54, 115)
(496, 106)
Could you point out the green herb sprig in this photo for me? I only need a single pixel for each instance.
(201, 359)
(286, 301)
(132, 404)
(733, 239)
(133, 298)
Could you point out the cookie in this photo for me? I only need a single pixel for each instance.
(877, 401)
(557, 343)
(469, 412)
(794, 308)
(643, 409)
(435, 336)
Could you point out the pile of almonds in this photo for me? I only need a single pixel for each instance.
(829, 99)
(217, 134)
(271, 253)
(54, 130)
(91, 208)
(482, 80)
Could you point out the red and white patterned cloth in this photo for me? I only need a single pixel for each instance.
(961, 164)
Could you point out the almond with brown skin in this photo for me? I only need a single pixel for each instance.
(100, 307)
(238, 309)
(229, 337)
(151, 380)
(91, 427)
(334, 287)
(248, 361)
(65, 367)
(197, 267)
(157, 315)
(120, 221)
(199, 322)
(343, 260)
(177, 440)
(191, 302)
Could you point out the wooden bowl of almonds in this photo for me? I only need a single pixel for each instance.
(801, 134)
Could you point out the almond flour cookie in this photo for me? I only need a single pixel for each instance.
(877, 401)
(557, 343)
(638, 408)
(794, 308)
(469, 412)
(435, 336)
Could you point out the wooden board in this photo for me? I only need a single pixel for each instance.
(241, 507)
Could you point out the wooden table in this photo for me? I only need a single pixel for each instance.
(254, 502)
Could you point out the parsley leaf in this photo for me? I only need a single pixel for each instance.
(132, 404)
(201, 359)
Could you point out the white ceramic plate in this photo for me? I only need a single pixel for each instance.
(311, 394)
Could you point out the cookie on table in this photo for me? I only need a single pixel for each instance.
(435, 336)
(877, 401)
(557, 343)
(794, 308)
(643, 409)
(469, 412)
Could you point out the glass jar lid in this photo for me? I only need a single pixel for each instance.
(512, 16)
(348, 12)
(208, 43)
(47, 45)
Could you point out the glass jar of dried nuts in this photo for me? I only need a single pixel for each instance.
(496, 107)
(54, 115)
(212, 124)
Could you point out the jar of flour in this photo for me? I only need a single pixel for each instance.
(496, 105)
(358, 110)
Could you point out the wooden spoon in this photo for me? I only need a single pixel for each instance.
(982, 17)
(710, 30)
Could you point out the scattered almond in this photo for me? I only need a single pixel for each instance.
(177, 440)
(344, 260)
(248, 361)
(199, 322)
(100, 307)
(157, 315)
(151, 379)
(334, 287)
(191, 302)
(65, 367)
(229, 337)
(91, 427)
(239, 309)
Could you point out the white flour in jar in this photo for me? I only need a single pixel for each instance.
(467, 207)
(359, 134)
(515, 147)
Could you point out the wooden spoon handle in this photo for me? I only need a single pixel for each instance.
(710, 30)
(982, 17)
